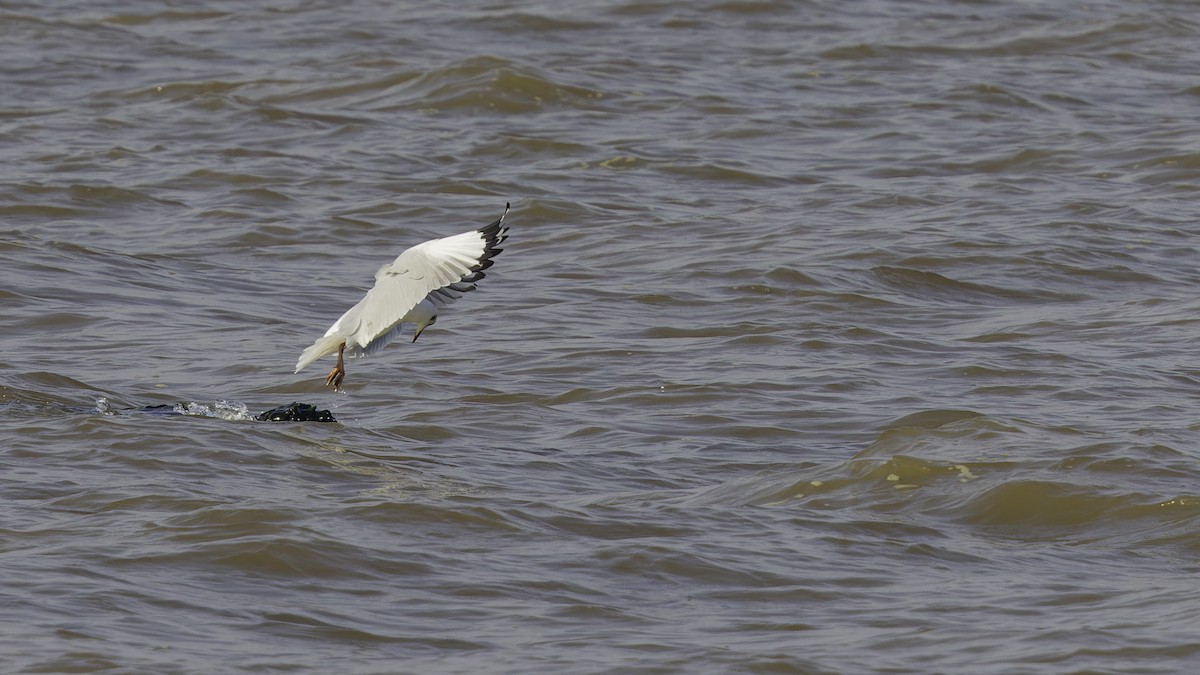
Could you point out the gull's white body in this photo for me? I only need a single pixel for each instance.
(410, 290)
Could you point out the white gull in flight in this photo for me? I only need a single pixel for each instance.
(409, 290)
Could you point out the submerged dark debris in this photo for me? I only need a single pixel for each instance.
(296, 412)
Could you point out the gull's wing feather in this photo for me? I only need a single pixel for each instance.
(322, 347)
(441, 269)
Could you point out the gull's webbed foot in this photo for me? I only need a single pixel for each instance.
(338, 373)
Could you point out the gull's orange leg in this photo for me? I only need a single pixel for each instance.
(339, 371)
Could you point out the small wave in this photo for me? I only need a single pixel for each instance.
(937, 287)
(488, 84)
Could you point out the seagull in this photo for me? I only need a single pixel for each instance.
(409, 290)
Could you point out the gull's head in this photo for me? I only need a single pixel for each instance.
(423, 316)
(422, 326)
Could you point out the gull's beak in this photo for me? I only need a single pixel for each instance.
(420, 329)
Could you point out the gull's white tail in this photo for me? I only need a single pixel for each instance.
(322, 347)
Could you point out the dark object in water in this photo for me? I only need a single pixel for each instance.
(292, 412)
(158, 410)
(296, 412)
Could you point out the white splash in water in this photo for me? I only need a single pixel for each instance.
(225, 410)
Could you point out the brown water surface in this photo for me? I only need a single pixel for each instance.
(831, 337)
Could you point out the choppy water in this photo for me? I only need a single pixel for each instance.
(830, 337)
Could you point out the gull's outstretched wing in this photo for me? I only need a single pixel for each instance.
(441, 269)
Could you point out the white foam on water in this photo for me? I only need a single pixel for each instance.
(225, 410)
(103, 407)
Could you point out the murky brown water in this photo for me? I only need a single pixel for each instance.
(830, 337)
